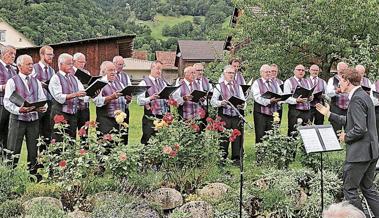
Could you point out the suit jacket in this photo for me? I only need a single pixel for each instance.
(360, 128)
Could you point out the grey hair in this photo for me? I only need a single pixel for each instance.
(20, 59)
(228, 67)
(155, 63)
(188, 69)
(117, 57)
(63, 57)
(198, 64)
(343, 210)
(342, 65)
(103, 67)
(78, 55)
(6, 48)
(264, 66)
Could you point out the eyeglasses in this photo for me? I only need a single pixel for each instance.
(230, 72)
(300, 69)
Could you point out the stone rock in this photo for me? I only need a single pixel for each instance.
(143, 210)
(53, 202)
(79, 214)
(198, 209)
(213, 191)
(252, 206)
(167, 198)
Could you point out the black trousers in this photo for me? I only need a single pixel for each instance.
(280, 115)
(262, 123)
(232, 123)
(337, 110)
(107, 124)
(377, 119)
(4, 122)
(316, 118)
(293, 115)
(83, 117)
(17, 130)
(360, 175)
(46, 125)
(148, 128)
(72, 121)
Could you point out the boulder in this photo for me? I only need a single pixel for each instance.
(143, 210)
(167, 198)
(198, 209)
(53, 202)
(213, 191)
(79, 214)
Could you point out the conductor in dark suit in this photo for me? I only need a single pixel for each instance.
(361, 140)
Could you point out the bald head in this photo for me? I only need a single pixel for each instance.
(299, 71)
(189, 73)
(360, 69)
(314, 70)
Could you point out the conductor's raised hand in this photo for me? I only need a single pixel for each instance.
(324, 110)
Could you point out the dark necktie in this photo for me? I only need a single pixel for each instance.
(27, 78)
(269, 85)
(231, 89)
(46, 73)
(9, 68)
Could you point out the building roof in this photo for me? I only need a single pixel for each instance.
(167, 58)
(200, 50)
(136, 64)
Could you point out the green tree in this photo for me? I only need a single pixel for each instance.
(288, 32)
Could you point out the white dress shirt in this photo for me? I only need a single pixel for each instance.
(177, 94)
(141, 99)
(288, 90)
(11, 87)
(256, 93)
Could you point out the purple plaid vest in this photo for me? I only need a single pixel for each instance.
(228, 110)
(69, 85)
(365, 82)
(123, 78)
(189, 109)
(115, 104)
(43, 77)
(239, 78)
(30, 96)
(341, 100)
(205, 84)
(271, 108)
(304, 83)
(158, 106)
(4, 76)
(278, 81)
(320, 86)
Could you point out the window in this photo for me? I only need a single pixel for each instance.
(2, 35)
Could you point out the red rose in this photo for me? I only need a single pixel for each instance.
(167, 150)
(122, 157)
(82, 132)
(172, 102)
(177, 147)
(232, 138)
(107, 137)
(62, 164)
(195, 127)
(168, 118)
(236, 132)
(59, 119)
(82, 152)
(173, 153)
(201, 113)
(209, 120)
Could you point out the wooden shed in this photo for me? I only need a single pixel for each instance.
(96, 50)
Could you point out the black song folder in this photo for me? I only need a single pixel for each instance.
(18, 100)
(92, 90)
(85, 78)
(235, 101)
(269, 95)
(167, 91)
(134, 90)
(303, 92)
(197, 94)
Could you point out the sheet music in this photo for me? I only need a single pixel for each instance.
(330, 139)
(311, 140)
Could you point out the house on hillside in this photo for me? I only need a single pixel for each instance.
(10, 36)
(189, 52)
(169, 70)
(96, 50)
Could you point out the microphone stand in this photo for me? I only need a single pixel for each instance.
(241, 148)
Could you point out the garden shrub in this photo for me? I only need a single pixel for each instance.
(40, 210)
(42, 190)
(13, 182)
(100, 184)
(10, 208)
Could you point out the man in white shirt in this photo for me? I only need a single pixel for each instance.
(8, 55)
(43, 72)
(153, 105)
(66, 89)
(264, 108)
(221, 94)
(320, 86)
(24, 120)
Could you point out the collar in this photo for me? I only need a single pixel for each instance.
(226, 83)
(42, 65)
(23, 76)
(152, 78)
(353, 91)
(265, 80)
(297, 79)
(63, 73)
(187, 82)
(312, 78)
(2, 62)
(75, 69)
